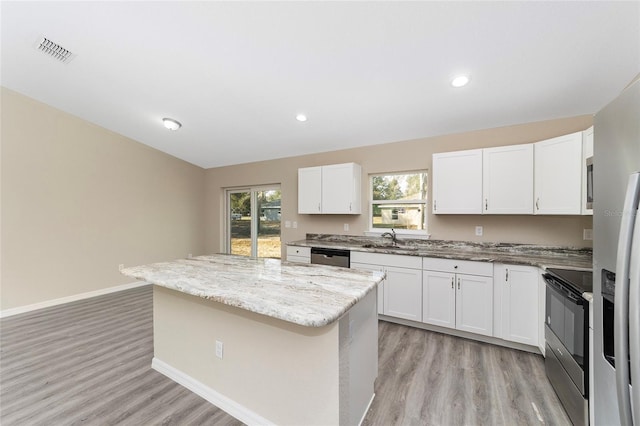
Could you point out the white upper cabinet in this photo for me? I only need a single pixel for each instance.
(541, 178)
(310, 190)
(341, 187)
(457, 182)
(507, 180)
(558, 175)
(334, 189)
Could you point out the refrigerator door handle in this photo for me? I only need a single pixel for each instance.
(621, 311)
(634, 319)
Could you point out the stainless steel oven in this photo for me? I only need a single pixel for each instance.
(567, 339)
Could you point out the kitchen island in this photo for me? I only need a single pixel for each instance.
(267, 341)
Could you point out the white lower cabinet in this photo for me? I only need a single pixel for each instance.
(463, 301)
(400, 294)
(298, 254)
(518, 319)
(439, 298)
(474, 304)
(402, 291)
(497, 300)
(374, 268)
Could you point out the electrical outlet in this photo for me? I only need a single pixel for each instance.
(190, 255)
(587, 234)
(219, 348)
(121, 267)
(346, 226)
(294, 224)
(287, 224)
(479, 231)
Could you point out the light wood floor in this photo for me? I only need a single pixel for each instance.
(428, 378)
(88, 363)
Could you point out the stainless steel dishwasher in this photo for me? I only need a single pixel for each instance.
(332, 257)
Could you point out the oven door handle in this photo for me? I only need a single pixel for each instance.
(568, 294)
(575, 299)
(552, 283)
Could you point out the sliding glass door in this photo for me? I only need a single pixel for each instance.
(253, 221)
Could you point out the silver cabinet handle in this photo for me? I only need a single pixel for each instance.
(538, 203)
(458, 283)
(506, 276)
(318, 206)
(350, 206)
(486, 204)
(452, 282)
(434, 205)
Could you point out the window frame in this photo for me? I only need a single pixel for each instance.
(424, 202)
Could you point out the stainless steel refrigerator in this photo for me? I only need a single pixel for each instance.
(616, 268)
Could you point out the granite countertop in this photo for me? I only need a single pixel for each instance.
(307, 295)
(515, 254)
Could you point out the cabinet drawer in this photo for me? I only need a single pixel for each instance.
(298, 251)
(397, 260)
(458, 266)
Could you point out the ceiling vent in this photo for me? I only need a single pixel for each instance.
(54, 50)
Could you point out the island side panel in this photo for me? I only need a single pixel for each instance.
(363, 356)
(285, 373)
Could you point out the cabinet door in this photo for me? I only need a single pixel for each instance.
(474, 304)
(519, 285)
(558, 175)
(310, 190)
(341, 189)
(438, 299)
(403, 293)
(380, 289)
(507, 180)
(457, 182)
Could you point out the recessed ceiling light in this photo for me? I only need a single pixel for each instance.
(301, 117)
(460, 81)
(171, 124)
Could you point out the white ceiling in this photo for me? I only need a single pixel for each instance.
(237, 73)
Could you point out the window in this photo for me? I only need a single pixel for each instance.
(399, 201)
(253, 221)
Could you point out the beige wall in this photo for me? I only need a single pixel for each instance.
(78, 200)
(393, 157)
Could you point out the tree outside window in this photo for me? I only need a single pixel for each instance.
(399, 201)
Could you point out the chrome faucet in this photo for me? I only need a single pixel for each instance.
(392, 235)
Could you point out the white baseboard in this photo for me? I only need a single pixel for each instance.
(48, 303)
(236, 410)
